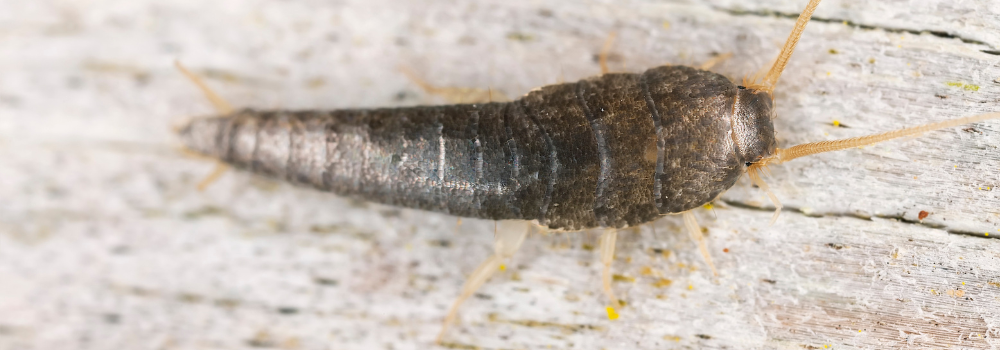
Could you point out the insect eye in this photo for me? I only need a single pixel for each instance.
(741, 87)
(749, 164)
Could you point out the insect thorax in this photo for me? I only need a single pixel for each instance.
(711, 130)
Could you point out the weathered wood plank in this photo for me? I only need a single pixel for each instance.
(105, 244)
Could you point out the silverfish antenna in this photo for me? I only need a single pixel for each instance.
(771, 79)
(784, 155)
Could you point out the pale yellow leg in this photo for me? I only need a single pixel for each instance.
(602, 57)
(607, 251)
(507, 239)
(695, 231)
(755, 173)
(457, 94)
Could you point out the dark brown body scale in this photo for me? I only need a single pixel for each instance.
(616, 150)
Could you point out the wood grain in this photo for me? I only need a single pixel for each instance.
(106, 244)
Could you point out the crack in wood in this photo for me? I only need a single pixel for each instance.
(899, 218)
(850, 23)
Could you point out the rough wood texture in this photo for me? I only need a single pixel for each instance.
(105, 244)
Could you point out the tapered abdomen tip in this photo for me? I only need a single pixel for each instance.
(202, 135)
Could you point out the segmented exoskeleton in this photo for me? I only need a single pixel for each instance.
(611, 151)
(614, 151)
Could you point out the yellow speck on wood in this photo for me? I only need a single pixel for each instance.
(690, 287)
(833, 51)
(503, 267)
(836, 123)
(646, 271)
(612, 315)
(291, 343)
(672, 337)
(708, 206)
(966, 87)
(871, 60)
(622, 278)
(662, 282)
(315, 82)
(666, 24)
(829, 73)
